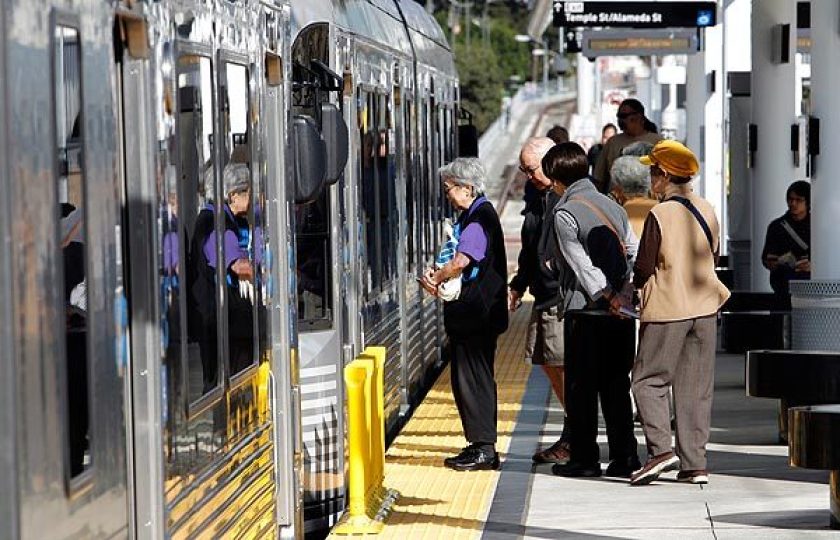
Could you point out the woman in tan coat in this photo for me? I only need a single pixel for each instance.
(680, 296)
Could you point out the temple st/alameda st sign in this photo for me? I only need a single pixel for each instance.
(635, 14)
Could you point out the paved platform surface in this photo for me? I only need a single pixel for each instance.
(753, 492)
(436, 502)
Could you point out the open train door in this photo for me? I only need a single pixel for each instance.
(318, 249)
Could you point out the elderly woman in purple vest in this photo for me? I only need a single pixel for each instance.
(478, 315)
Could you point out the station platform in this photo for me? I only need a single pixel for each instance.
(753, 492)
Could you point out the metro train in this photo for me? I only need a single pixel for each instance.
(146, 390)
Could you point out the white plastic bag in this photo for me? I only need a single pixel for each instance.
(451, 288)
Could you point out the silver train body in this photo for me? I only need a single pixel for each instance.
(147, 388)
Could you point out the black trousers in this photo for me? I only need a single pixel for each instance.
(474, 386)
(600, 350)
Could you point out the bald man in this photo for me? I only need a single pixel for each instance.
(544, 342)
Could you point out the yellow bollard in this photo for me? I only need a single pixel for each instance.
(377, 446)
(356, 521)
(370, 502)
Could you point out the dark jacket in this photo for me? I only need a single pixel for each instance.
(778, 241)
(481, 308)
(538, 243)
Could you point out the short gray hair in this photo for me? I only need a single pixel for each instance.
(465, 171)
(237, 178)
(631, 175)
(638, 148)
(537, 147)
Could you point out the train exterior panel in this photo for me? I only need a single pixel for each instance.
(177, 306)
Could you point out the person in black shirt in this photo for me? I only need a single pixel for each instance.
(787, 252)
(607, 133)
(544, 343)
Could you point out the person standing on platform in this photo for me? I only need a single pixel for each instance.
(544, 340)
(787, 252)
(473, 320)
(631, 189)
(680, 297)
(597, 247)
(607, 133)
(634, 126)
(558, 134)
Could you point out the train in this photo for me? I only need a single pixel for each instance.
(207, 209)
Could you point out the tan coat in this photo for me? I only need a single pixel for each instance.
(637, 210)
(684, 284)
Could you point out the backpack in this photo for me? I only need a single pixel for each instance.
(604, 246)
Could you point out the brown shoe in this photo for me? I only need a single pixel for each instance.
(556, 453)
(655, 466)
(700, 476)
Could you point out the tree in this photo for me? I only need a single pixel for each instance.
(481, 78)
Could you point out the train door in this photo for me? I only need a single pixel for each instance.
(282, 323)
(413, 262)
(135, 133)
(319, 249)
(200, 280)
(67, 376)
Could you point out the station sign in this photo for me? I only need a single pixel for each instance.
(635, 14)
(628, 42)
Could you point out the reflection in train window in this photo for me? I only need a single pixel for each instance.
(367, 179)
(198, 188)
(387, 178)
(239, 245)
(410, 184)
(314, 263)
(378, 189)
(73, 228)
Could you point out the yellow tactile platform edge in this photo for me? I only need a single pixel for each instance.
(436, 502)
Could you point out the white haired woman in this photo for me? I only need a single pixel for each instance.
(632, 180)
(475, 319)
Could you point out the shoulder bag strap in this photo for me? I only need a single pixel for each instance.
(795, 237)
(604, 219)
(700, 219)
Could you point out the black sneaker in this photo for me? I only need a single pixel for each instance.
(452, 459)
(577, 470)
(623, 468)
(474, 459)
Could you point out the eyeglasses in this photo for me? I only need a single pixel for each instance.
(449, 187)
(529, 172)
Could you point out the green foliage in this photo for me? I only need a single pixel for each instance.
(481, 81)
(489, 58)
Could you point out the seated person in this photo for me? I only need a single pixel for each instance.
(787, 253)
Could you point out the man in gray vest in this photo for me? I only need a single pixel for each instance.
(597, 248)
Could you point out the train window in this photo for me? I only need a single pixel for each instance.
(72, 216)
(239, 247)
(387, 179)
(314, 263)
(367, 177)
(198, 187)
(427, 179)
(410, 184)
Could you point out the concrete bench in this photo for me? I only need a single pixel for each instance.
(799, 377)
(754, 320)
(755, 329)
(815, 444)
(794, 377)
